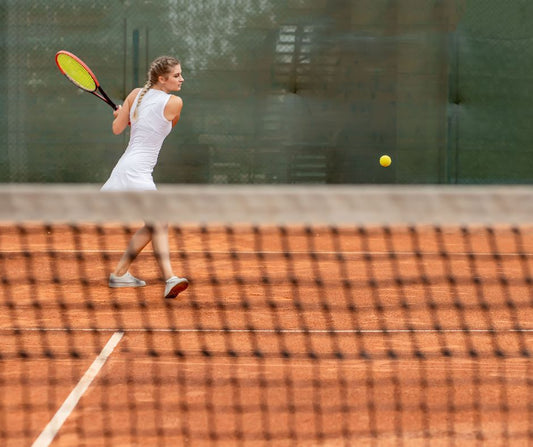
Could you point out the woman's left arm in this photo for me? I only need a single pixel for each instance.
(173, 109)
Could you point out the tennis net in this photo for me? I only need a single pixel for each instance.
(333, 316)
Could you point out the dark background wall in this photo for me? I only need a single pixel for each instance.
(277, 91)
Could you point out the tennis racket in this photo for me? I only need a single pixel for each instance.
(81, 75)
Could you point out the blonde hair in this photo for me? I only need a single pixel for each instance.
(159, 67)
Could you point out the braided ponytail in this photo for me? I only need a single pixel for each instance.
(143, 92)
(159, 67)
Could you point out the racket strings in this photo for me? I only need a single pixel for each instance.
(77, 73)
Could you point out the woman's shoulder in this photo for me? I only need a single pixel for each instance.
(175, 100)
(135, 92)
(173, 109)
(132, 95)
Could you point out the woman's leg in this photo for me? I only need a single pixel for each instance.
(158, 234)
(173, 284)
(138, 241)
(161, 249)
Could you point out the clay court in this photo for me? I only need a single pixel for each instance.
(301, 336)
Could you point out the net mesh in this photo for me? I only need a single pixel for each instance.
(406, 322)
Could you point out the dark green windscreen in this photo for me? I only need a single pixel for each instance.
(491, 94)
(277, 91)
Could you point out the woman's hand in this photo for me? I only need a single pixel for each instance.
(115, 112)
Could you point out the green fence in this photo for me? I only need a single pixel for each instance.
(491, 92)
(277, 91)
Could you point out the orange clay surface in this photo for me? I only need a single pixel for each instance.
(307, 337)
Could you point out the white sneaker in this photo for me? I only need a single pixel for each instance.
(174, 286)
(126, 280)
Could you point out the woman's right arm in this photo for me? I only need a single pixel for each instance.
(122, 114)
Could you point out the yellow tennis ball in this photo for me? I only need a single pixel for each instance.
(385, 161)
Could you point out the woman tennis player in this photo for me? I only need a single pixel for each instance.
(152, 112)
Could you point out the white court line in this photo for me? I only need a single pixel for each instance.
(51, 429)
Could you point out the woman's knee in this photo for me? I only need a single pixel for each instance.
(159, 227)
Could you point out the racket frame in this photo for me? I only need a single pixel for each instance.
(98, 91)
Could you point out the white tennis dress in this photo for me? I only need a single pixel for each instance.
(133, 172)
